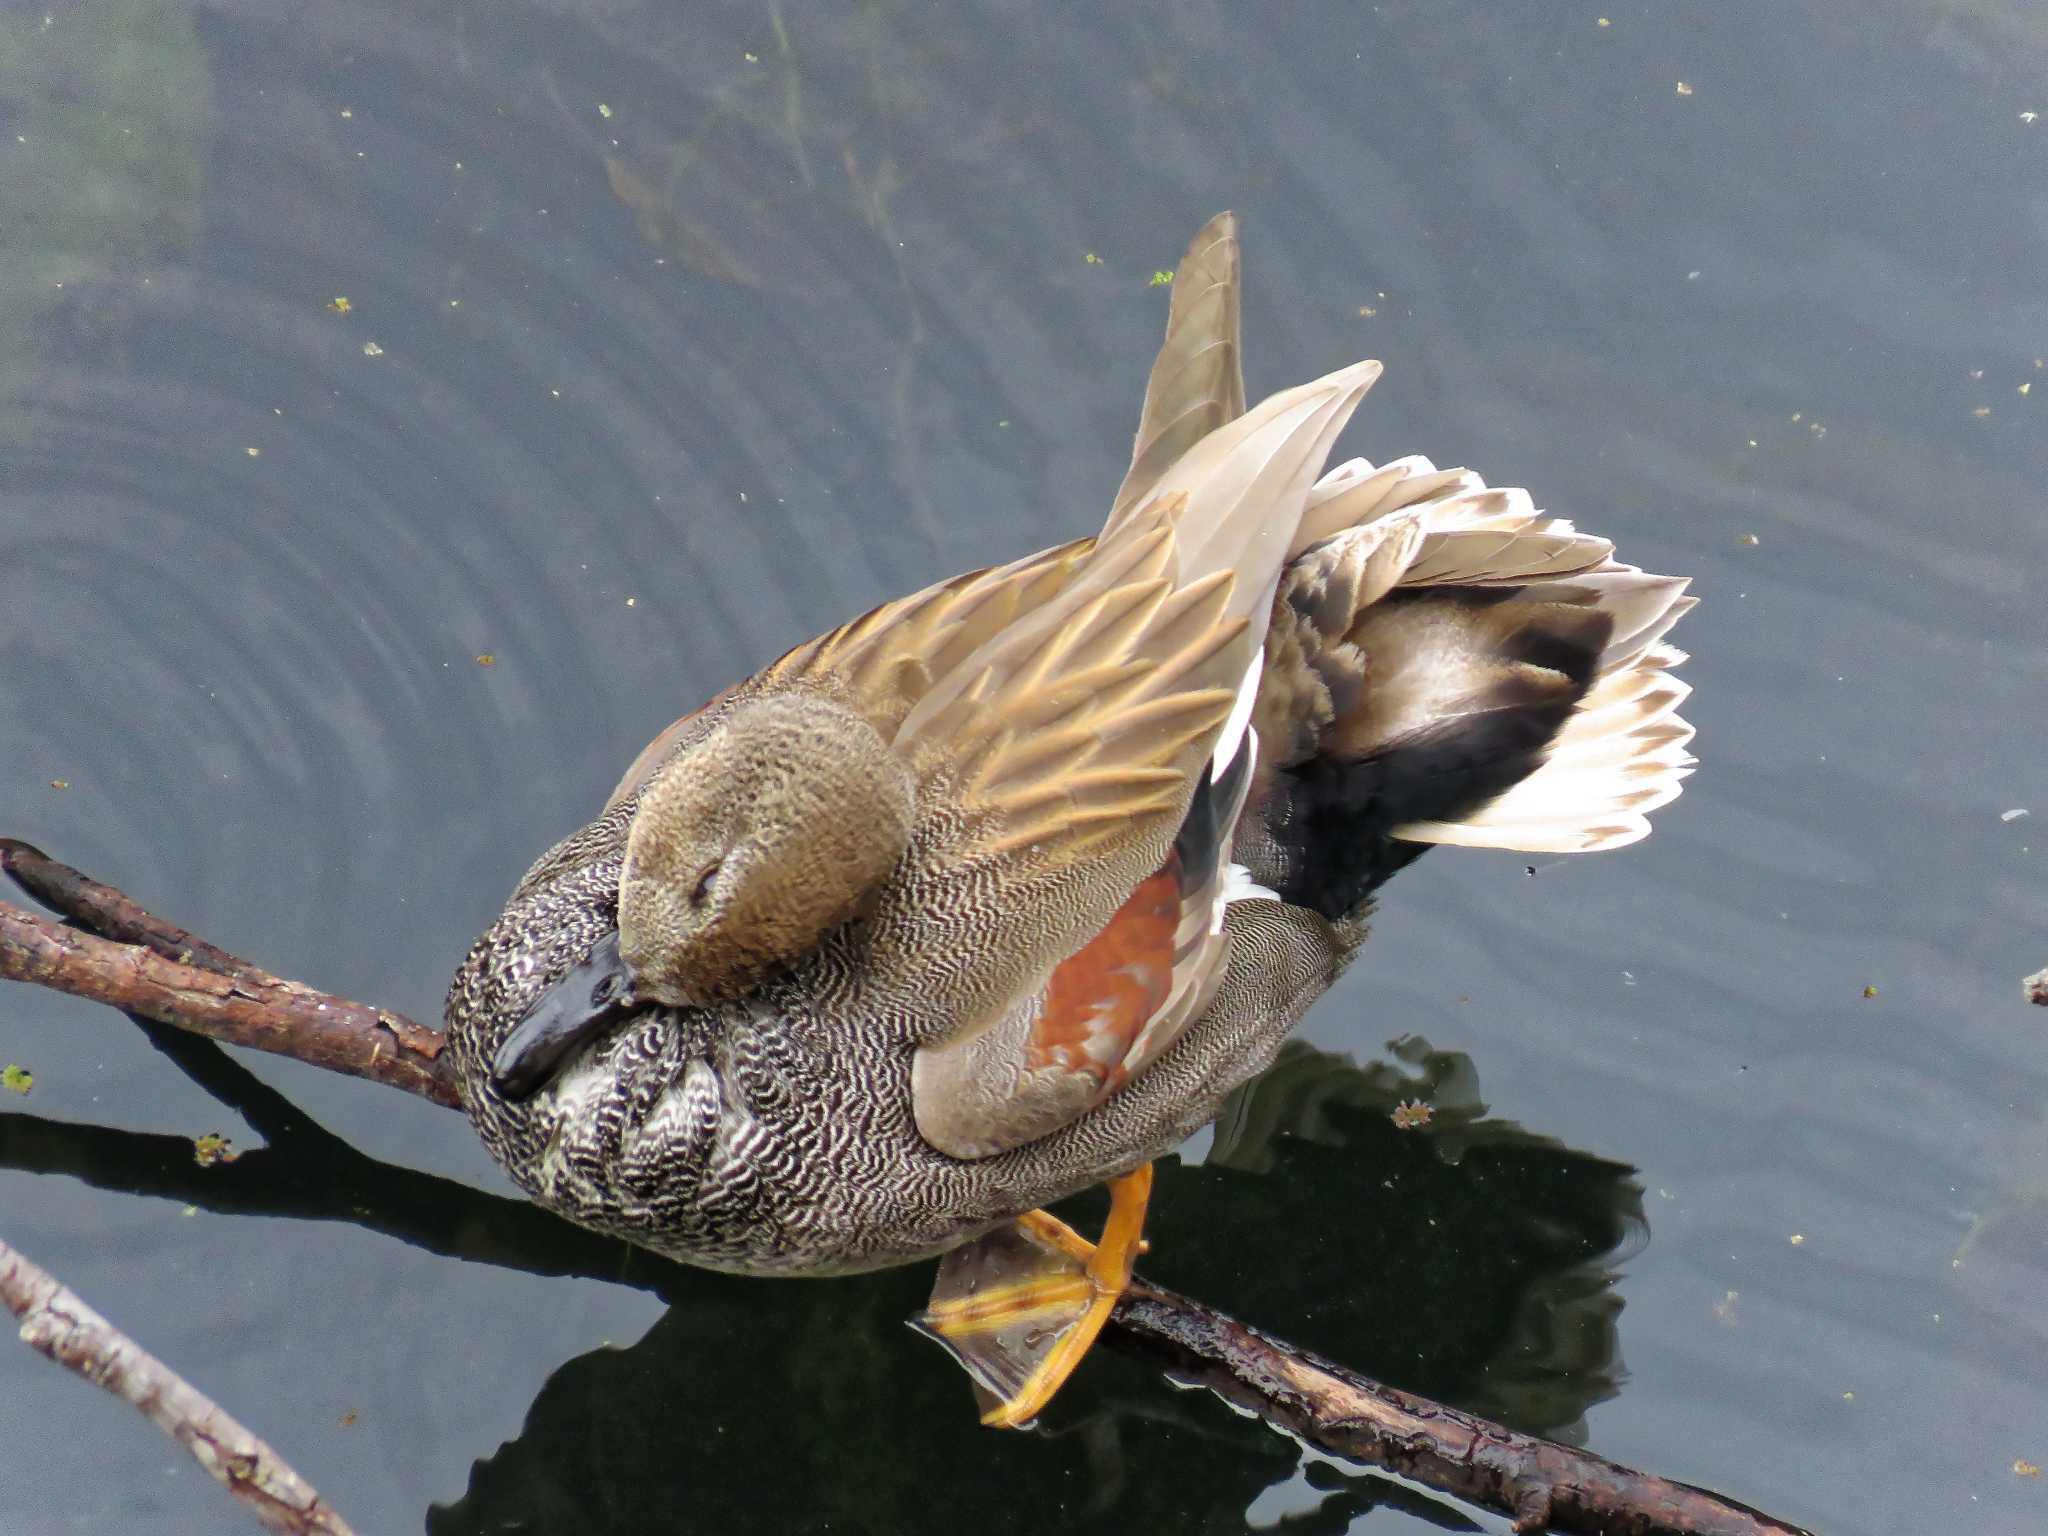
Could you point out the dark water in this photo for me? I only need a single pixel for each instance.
(697, 329)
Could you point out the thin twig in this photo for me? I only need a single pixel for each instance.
(1536, 1482)
(55, 1323)
(264, 1012)
(110, 913)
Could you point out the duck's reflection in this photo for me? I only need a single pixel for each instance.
(1466, 1259)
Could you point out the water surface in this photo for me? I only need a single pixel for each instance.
(675, 335)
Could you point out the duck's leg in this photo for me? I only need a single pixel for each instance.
(1019, 1307)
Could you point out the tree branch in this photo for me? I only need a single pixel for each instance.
(169, 976)
(1541, 1484)
(55, 1323)
(166, 974)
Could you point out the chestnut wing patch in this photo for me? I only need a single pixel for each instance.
(1102, 996)
(1107, 1011)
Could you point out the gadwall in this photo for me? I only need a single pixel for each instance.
(996, 892)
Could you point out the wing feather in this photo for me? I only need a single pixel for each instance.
(1197, 382)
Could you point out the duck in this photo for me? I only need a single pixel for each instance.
(996, 893)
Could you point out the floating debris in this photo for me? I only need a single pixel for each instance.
(2025, 1468)
(1797, 1238)
(254, 453)
(1870, 991)
(2035, 989)
(60, 783)
(2028, 117)
(1091, 258)
(1724, 1309)
(340, 304)
(487, 659)
(1684, 89)
(1411, 1114)
(371, 349)
(2014, 814)
(213, 1148)
(16, 1079)
(1750, 538)
(603, 110)
(1160, 279)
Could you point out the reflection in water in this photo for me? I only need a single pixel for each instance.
(1470, 1267)
(1485, 1246)
(1470, 1259)
(777, 1405)
(765, 1405)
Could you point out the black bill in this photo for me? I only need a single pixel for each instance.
(596, 994)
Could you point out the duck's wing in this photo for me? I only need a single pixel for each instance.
(1063, 920)
(1066, 747)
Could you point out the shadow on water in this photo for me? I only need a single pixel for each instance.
(1467, 1259)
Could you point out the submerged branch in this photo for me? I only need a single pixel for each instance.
(166, 974)
(56, 1324)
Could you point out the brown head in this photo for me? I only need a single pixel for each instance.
(755, 842)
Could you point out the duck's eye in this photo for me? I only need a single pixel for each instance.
(702, 892)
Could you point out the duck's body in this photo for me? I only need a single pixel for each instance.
(755, 1138)
(996, 893)
(777, 1132)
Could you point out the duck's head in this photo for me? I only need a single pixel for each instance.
(751, 844)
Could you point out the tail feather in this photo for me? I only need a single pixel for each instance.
(1448, 665)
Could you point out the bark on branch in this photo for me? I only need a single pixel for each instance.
(1542, 1485)
(55, 1323)
(164, 973)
